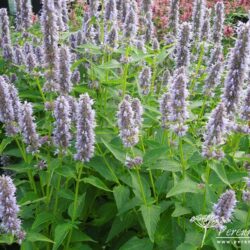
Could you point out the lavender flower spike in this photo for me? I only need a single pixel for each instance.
(18, 20)
(28, 128)
(215, 133)
(138, 112)
(129, 131)
(10, 223)
(61, 132)
(238, 64)
(182, 47)
(173, 23)
(246, 107)
(205, 29)
(145, 80)
(85, 138)
(50, 45)
(178, 103)
(110, 11)
(164, 109)
(130, 25)
(64, 70)
(224, 208)
(218, 22)
(5, 27)
(26, 14)
(146, 5)
(112, 38)
(7, 115)
(197, 19)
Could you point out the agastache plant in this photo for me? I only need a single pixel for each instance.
(130, 25)
(61, 133)
(146, 5)
(64, 78)
(129, 131)
(182, 47)
(7, 115)
(10, 223)
(224, 208)
(26, 14)
(178, 103)
(205, 29)
(245, 115)
(110, 11)
(18, 19)
(165, 109)
(218, 22)
(50, 45)
(85, 137)
(238, 63)
(28, 128)
(4, 27)
(138, 112)
(145, 80)
(173, 22)
(215, 133)
(197, 19)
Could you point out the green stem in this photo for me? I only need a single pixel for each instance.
(125, 74)
(204, 237)
(141, 186)
(183, 164)
(75, 202)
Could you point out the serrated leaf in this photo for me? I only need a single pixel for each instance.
(151, 217)
(137, 244)
(41, 219)
(121, 194)
(61, 231)
(184, 186)
(96, 182)
(33, 237)
(221, 173)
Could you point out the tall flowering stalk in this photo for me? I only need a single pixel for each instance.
(238, 63)
(61, 134)
(205, 29)
(26, 14)
(28, 128)
(178, 103)
(146, 5)
(85, 138)
(218, 22)
(110, 11)
(65, 14)
(112, 38)
(130, 25)
(164, 109)
(18, 19)
(58, 7)
(197, 19)
(173, 22)
(64, 78)
(50, 45)
(149, 27)
(7, 115)
(5, 27)
(129, 130)
(145, 80)
(10, 223)
(224, 208)
(245, 115)
(138, 111)
(93, 7)
(182, 47)
(215, 133)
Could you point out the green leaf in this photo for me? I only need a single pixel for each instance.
(166, 165)
(79, 236)
(179, 211)
(113, 64)
(96, 182)
(154, 154)
(184, 186)
(186, 246)
(137, 244)
(221, 173)
(41, 219)
(61, 231)
(5, 142)
(151, 217)
(33, 237)
(79, 207)
(118, 154)
(121, 194)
